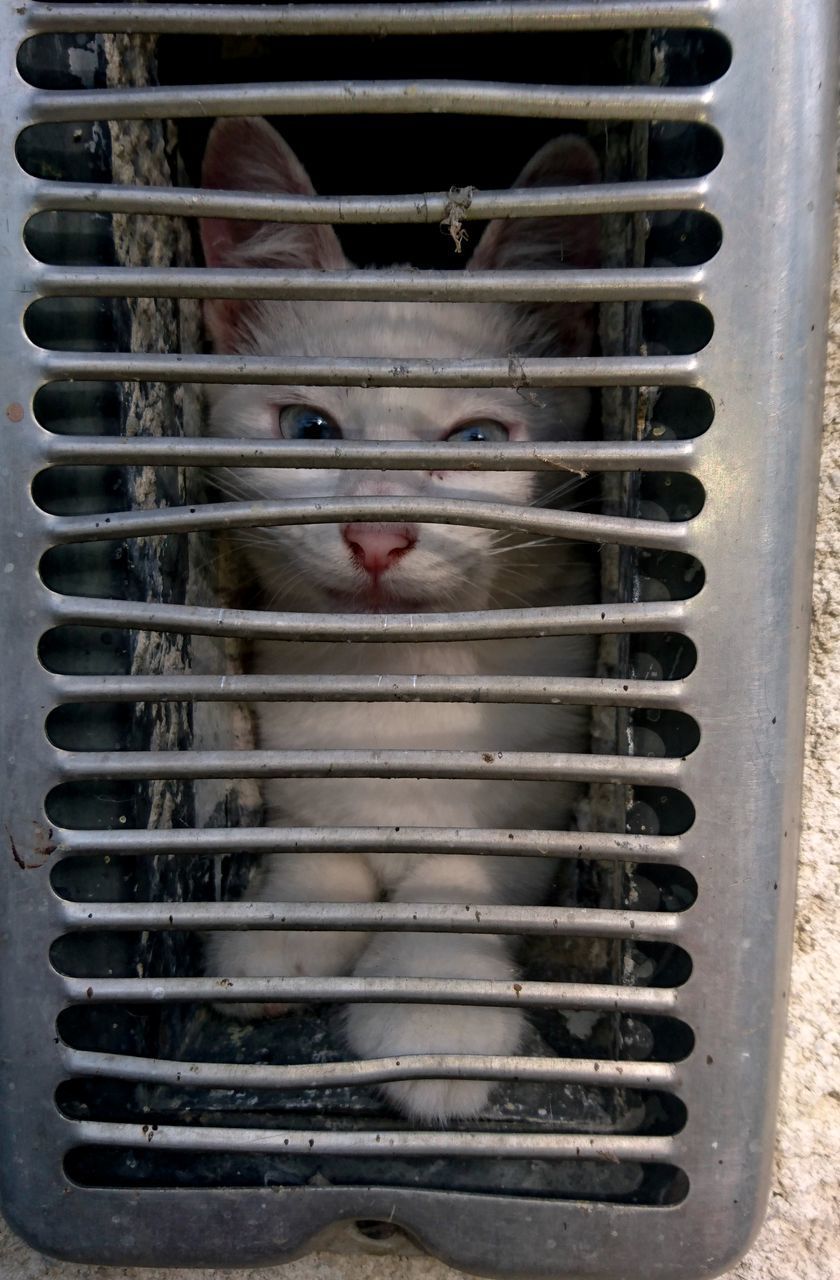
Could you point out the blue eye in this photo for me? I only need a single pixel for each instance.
(482, 431)
(302, 422)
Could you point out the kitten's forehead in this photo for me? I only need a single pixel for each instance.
(393, 331)
(385, 330)
(402, 330)
(383, 413)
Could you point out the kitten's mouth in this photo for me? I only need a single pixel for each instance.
(375, 599)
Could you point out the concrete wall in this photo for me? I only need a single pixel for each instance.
(800, 1238)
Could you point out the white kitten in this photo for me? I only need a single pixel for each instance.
(393, 568)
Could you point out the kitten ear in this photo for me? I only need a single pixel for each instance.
(246, 154)
(551, 243)
(520, 243)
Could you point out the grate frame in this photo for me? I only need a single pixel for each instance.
(767, 290)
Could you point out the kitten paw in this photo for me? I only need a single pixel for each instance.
(437, 1102)
(280, 954)
(377, 1031)
(392, 1030)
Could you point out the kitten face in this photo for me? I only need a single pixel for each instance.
(370, 566)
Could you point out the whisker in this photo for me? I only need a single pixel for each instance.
(523, 546)
(565, 487)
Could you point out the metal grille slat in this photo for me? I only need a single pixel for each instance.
(214, 1075)
(372, 19)
(600, 455)
(599, 285)
(576, 371)
(411, 916)
(456, 991)
(534, 766)
(385, 688)
(531, 1146)
(575, 525)
(428, 208)
(362, 97)
(669, 615)
(437, 840)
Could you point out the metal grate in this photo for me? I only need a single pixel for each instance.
(645, 1148)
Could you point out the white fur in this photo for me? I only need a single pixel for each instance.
(451, 567)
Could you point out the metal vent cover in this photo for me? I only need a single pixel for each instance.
(765, 289)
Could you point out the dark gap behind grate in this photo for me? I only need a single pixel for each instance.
(626, 1184)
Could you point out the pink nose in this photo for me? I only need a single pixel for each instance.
(377, 547)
